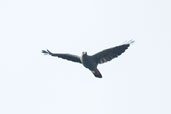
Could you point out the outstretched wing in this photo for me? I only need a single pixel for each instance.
(69, 57)
(109, 54)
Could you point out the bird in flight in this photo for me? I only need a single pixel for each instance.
(91, 62)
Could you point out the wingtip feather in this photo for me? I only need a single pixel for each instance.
(44, 52)
(131, 41)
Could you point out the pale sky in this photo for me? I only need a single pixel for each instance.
(137, 82)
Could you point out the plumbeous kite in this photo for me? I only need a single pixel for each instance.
(91, 62)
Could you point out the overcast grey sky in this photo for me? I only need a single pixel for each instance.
(138, 82)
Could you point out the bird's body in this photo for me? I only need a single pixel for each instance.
(91, 62)
(88, 62)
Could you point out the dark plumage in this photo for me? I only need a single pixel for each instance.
(91, 62)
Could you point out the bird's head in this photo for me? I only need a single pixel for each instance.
(84, 53)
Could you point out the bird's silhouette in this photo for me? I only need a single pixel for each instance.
(91, 62)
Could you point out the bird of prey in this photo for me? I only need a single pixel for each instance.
(91, 62)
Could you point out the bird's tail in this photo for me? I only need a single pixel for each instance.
(97, 73)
